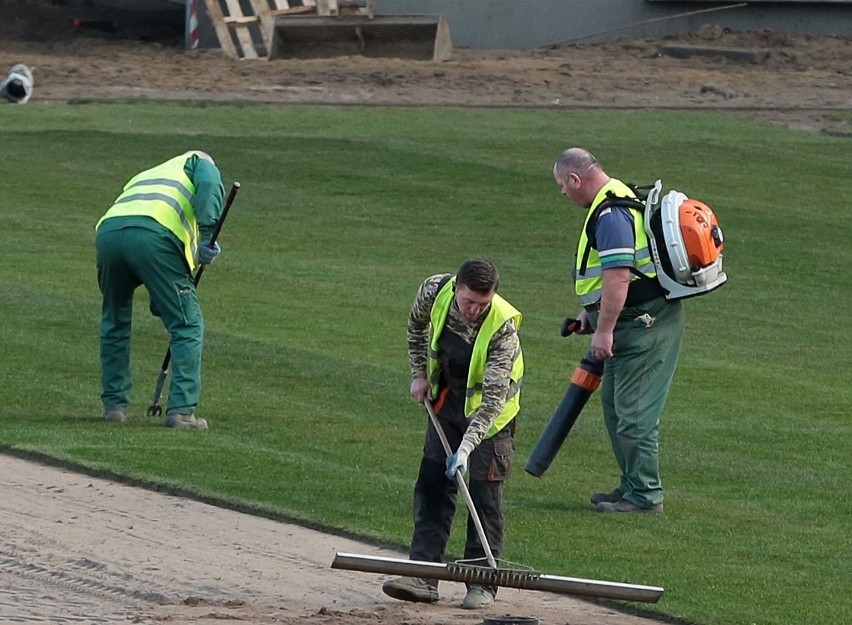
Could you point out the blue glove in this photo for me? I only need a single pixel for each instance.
(457, 462)
(206, 255)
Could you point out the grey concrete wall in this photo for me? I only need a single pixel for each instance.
(519, 24)
(523, 24)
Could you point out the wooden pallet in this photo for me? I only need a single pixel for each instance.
(233, 29)
(244, 29)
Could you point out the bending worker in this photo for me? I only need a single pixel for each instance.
(637, 332)
(156, 234)
(465, 356)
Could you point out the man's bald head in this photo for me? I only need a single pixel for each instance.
(574, 161)
(579, 175)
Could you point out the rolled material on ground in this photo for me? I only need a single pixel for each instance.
(17, 87)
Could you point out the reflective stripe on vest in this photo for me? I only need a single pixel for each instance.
(498, 314)
(588, 286)
(164, 193)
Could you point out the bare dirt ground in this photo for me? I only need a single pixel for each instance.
(80, 549)
(799, 80)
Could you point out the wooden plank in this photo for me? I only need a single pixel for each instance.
(241, 31)
(223, 33)
(267, 15)
(443, 41)
(241, 21)
(293, 11)
(267, 18)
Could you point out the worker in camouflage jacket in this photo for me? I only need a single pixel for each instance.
(465, 358)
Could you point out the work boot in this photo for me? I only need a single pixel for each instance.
(477, 597)
(612, 497)
(115, 414)
(412, 589)
(185, 421)
(625, 506)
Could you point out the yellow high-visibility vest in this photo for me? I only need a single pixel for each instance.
(588, 284)
(498, 314)
(164, 193)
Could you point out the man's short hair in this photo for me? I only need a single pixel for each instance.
(478, 275)
(574, 161)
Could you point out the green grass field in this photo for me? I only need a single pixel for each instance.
(342, 213)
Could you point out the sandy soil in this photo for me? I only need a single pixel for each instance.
(79, 549)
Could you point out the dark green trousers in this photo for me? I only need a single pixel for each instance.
(134, 256)
(634, 388)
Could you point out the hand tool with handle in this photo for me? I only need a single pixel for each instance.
(489, 557)
(467, 573)
(155, 409)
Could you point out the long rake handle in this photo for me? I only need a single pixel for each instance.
(489, 557)
(231, 195)
(154, 408)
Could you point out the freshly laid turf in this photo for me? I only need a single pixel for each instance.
(342, 213)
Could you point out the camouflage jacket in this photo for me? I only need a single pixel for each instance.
(498, 367)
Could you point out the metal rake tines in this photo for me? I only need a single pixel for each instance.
(484, 576)
(508, 577)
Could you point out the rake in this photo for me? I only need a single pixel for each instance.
(491, 575)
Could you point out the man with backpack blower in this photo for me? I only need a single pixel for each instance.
(636, 331)
(158, 230)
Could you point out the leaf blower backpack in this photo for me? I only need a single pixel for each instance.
(685, 238)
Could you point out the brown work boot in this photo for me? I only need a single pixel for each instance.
(625, 506)
(412, 589)
(185, 421)
(612, 497)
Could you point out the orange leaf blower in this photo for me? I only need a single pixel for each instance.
(584, 381)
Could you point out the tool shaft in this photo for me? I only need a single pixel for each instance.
(154, 408)
(480, 531)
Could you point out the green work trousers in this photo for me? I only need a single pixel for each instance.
(634, 388)
(134, 256)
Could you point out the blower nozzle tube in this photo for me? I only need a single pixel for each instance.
(584, 381)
